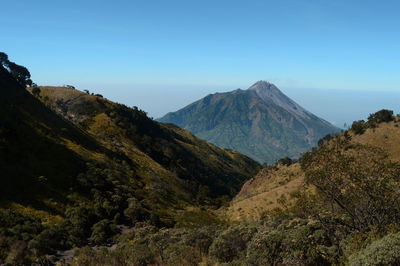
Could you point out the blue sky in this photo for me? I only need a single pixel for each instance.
(160, 55)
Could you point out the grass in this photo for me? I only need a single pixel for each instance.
(262, 192)
(385, 136)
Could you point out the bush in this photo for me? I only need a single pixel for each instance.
(383, 115)
(135, 211)
(49, 239)
(36, 91)
(381, 252)
(303, 244)
(103, 231)
(81, 220)
(231, 243)
(285, 161)
(358, 127)
(180, 254)
(357, 186)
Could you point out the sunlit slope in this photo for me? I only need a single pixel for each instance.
(51, 161)
(264, 191)
(198, 164)
(385, 136)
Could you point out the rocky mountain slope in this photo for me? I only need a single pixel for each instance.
(260, 122)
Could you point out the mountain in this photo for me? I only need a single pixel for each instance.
(86, 181)
(260, 122)
(129, 131)
(74, 166)
(262, 192)
(57, 140)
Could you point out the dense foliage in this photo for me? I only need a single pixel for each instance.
(65, 185)
(85, 191)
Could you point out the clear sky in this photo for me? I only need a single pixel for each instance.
(160, 55)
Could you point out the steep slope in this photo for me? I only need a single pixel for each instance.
(49, 164)
(131, 132)
(32, 137)
(260, 122)
(77, 177)
(264, 191)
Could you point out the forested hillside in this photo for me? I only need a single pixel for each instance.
(86, 181)
(74, 174)
(337, 205)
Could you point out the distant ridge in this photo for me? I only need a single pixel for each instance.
(260, 122)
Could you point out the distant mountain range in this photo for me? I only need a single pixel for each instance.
(260, 122)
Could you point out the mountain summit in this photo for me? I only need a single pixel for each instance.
(269, 93)
(261, 122)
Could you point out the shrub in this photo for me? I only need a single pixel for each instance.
(103, 231)
(180, 254)
(296, 243)
(285, 161)
(49, 239)
(383, 115)
(381, 252)
(36, 91)
(358, 127)
(135, 211)
(231, 243)
(80, 221)
(357, 186)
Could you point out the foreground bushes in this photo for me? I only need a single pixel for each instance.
(296, 241)
(381, 252)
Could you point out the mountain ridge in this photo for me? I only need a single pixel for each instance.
(260, 122)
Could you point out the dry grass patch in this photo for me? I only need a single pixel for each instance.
(262, 192)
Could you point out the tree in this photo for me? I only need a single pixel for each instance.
(357, 185)
(20, 73)
(383, 115)
(3, 58)
(36, 91)
(358, 127)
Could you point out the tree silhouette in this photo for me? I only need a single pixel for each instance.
(20, 73)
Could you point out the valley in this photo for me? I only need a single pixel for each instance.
(87, 181)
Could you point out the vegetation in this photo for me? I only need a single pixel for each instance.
(20, 73)
(243, 121)
(385, 251)
(382, 116)
(76, 180)
(85, 176)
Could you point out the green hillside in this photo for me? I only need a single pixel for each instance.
(68, 180)
(264, 127)
(338, 205)
(86, 181)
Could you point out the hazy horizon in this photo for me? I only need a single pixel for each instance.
(163, 55)
(338, 106)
